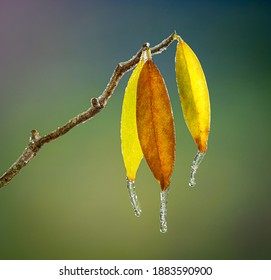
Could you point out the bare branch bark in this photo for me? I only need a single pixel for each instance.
(97, 104)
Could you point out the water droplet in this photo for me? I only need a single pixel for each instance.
(133, 196)
(195, 165)
(163, 210)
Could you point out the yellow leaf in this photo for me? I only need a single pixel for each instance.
(194, 94)
(131, 149)
(155, 123)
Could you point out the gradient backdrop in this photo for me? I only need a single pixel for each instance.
(71, 201)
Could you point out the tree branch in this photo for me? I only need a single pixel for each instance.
(97, 104)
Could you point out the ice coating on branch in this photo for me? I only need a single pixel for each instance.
(28, 155)
(195, 165)
(163, 210)
(133, 196)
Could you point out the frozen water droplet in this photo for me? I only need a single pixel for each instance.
(133, 196)
(163, 210)
(195, 165)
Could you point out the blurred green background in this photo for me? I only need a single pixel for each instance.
(71, 201)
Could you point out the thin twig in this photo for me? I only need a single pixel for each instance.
(97, 104)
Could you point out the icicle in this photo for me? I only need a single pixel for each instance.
(163, 210)
(196, 162)
(133, 196)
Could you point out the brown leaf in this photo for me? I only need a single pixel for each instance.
(155, 123)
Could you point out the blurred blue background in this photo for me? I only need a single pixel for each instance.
(71, 201)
